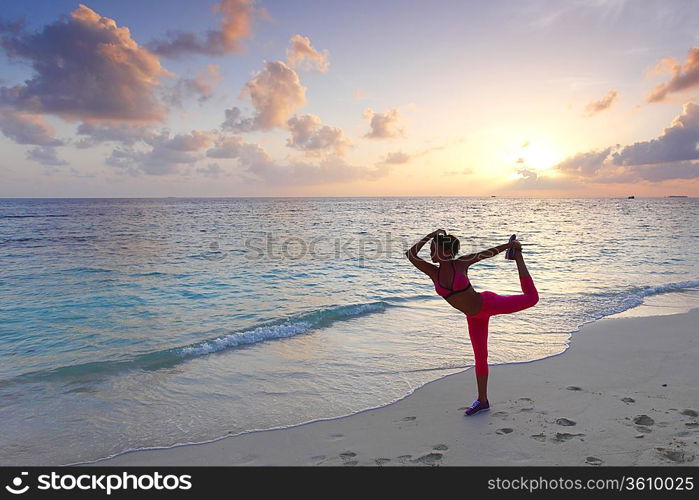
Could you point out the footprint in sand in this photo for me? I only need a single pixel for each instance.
(677, 456)
(561, 437)
(504, 430)
(381, 461)
(441, 447)
(564, 421)
(628, 400)
(573, 388)
(429, 459)
(594, 461)
(690, 413)
(645, 430)
(539, 437)
(643, 420)
(347, 454)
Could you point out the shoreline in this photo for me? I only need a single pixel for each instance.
(567, 422)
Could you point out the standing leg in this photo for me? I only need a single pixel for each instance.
(478, 332)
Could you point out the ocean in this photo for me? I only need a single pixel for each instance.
(138, 323)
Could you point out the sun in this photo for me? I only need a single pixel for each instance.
(538, 156)
(534, 154)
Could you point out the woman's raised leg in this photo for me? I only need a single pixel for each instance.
(506, 304)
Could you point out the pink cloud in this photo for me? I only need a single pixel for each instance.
(236, 24)
(301, 53)
(684, 76)
(201, 86)
(672, 155)
(596, 106)
(166, 155)
(257, 166)
(384, 125)
(275, 93)
(26, 128)
(309, 134)
(85, 68)
(677, 142)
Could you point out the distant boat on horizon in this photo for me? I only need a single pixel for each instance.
(632, 197)
(678, 196)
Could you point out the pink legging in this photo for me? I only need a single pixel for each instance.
(496, 304)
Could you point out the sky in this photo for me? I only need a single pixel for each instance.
(595, 98)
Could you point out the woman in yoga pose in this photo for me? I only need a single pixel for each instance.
(451, 282)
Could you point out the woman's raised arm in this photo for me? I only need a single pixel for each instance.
(485, 254)
(412, 253)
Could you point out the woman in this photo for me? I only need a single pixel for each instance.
(451, 282)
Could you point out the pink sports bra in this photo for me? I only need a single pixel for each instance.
(460, 280)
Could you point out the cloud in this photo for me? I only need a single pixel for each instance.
(530, 179)
(328, 171)
(85, 68)
(193, 141)
(202, 86)
(275, 92)
(228, 147)
(584, 164)
(684, 76)
(677, 142)
(400, 157)
(46, 155)
(384, 125)
(166, 156)
(302, 54)
(596, 106)
(309, 134)
(123, 133)
(541, 15)
(650, 173)
(666, 157)
(397, 158)
(236, 122)
(236, 24)
(26, 128)
(212, 170)
(258, 167)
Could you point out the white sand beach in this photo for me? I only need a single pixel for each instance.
(626, 392)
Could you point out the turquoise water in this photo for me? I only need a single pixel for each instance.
(131, 323)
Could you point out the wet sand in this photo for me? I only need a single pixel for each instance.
(626, 392)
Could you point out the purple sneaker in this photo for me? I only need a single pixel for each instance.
(477, 406)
